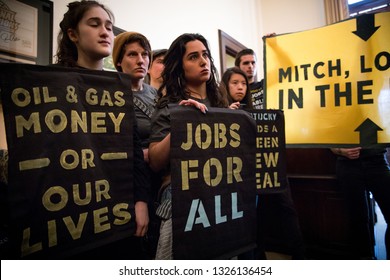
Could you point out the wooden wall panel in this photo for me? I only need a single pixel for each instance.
(320, 204)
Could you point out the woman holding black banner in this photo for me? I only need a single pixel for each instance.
(189, 80)
(85, 39)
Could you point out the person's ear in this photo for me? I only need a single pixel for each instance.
(72, 35)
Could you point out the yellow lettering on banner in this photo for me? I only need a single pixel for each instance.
(203, 136)
(26, 248)
(79, 122)
(106, 99)
(52, 233)
(220, 139)
(70, 159)
(101, 220)
(22, 97)
(236, 138)
(116, 121)
(232, 171)
(75, 228)
(57, 192)
(186, 175)
(213, 162)
(122, 216)
(267, 142)
(258, 161)
(87, 157)
(119, 101)
(98, 123)
(56, 121)
(234, 167)
(88, 194)
(262, 128)
(92, 98)
(271, 159)
(61, 196)
(270, 180)
(102, 187)
(22, 123)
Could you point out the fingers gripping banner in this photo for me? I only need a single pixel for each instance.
(69, 135)
(333, 83)
(213, 183)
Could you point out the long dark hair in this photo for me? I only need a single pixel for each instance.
(174, 82)
(67, 51)
(224, 86)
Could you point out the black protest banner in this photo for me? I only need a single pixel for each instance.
(271, 175)
(213, 183)
(69, 135)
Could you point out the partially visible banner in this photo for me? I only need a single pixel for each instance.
(333, 83)
(70, 141)
(213, 183)
(271, 174)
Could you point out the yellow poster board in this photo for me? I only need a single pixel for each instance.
(333, 83)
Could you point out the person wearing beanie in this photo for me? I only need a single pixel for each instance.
(132, 55)
(156, 68)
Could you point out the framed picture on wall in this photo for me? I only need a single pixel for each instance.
(4, 58)
(26, 28)
(18, 28)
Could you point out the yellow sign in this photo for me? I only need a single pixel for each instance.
(333, 83)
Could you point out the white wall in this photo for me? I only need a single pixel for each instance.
(285, 16)
(161, 21)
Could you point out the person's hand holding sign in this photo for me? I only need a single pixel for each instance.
(192, 102)
(351, 153)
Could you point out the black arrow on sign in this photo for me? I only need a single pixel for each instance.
(365, 26)
(368, 132)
